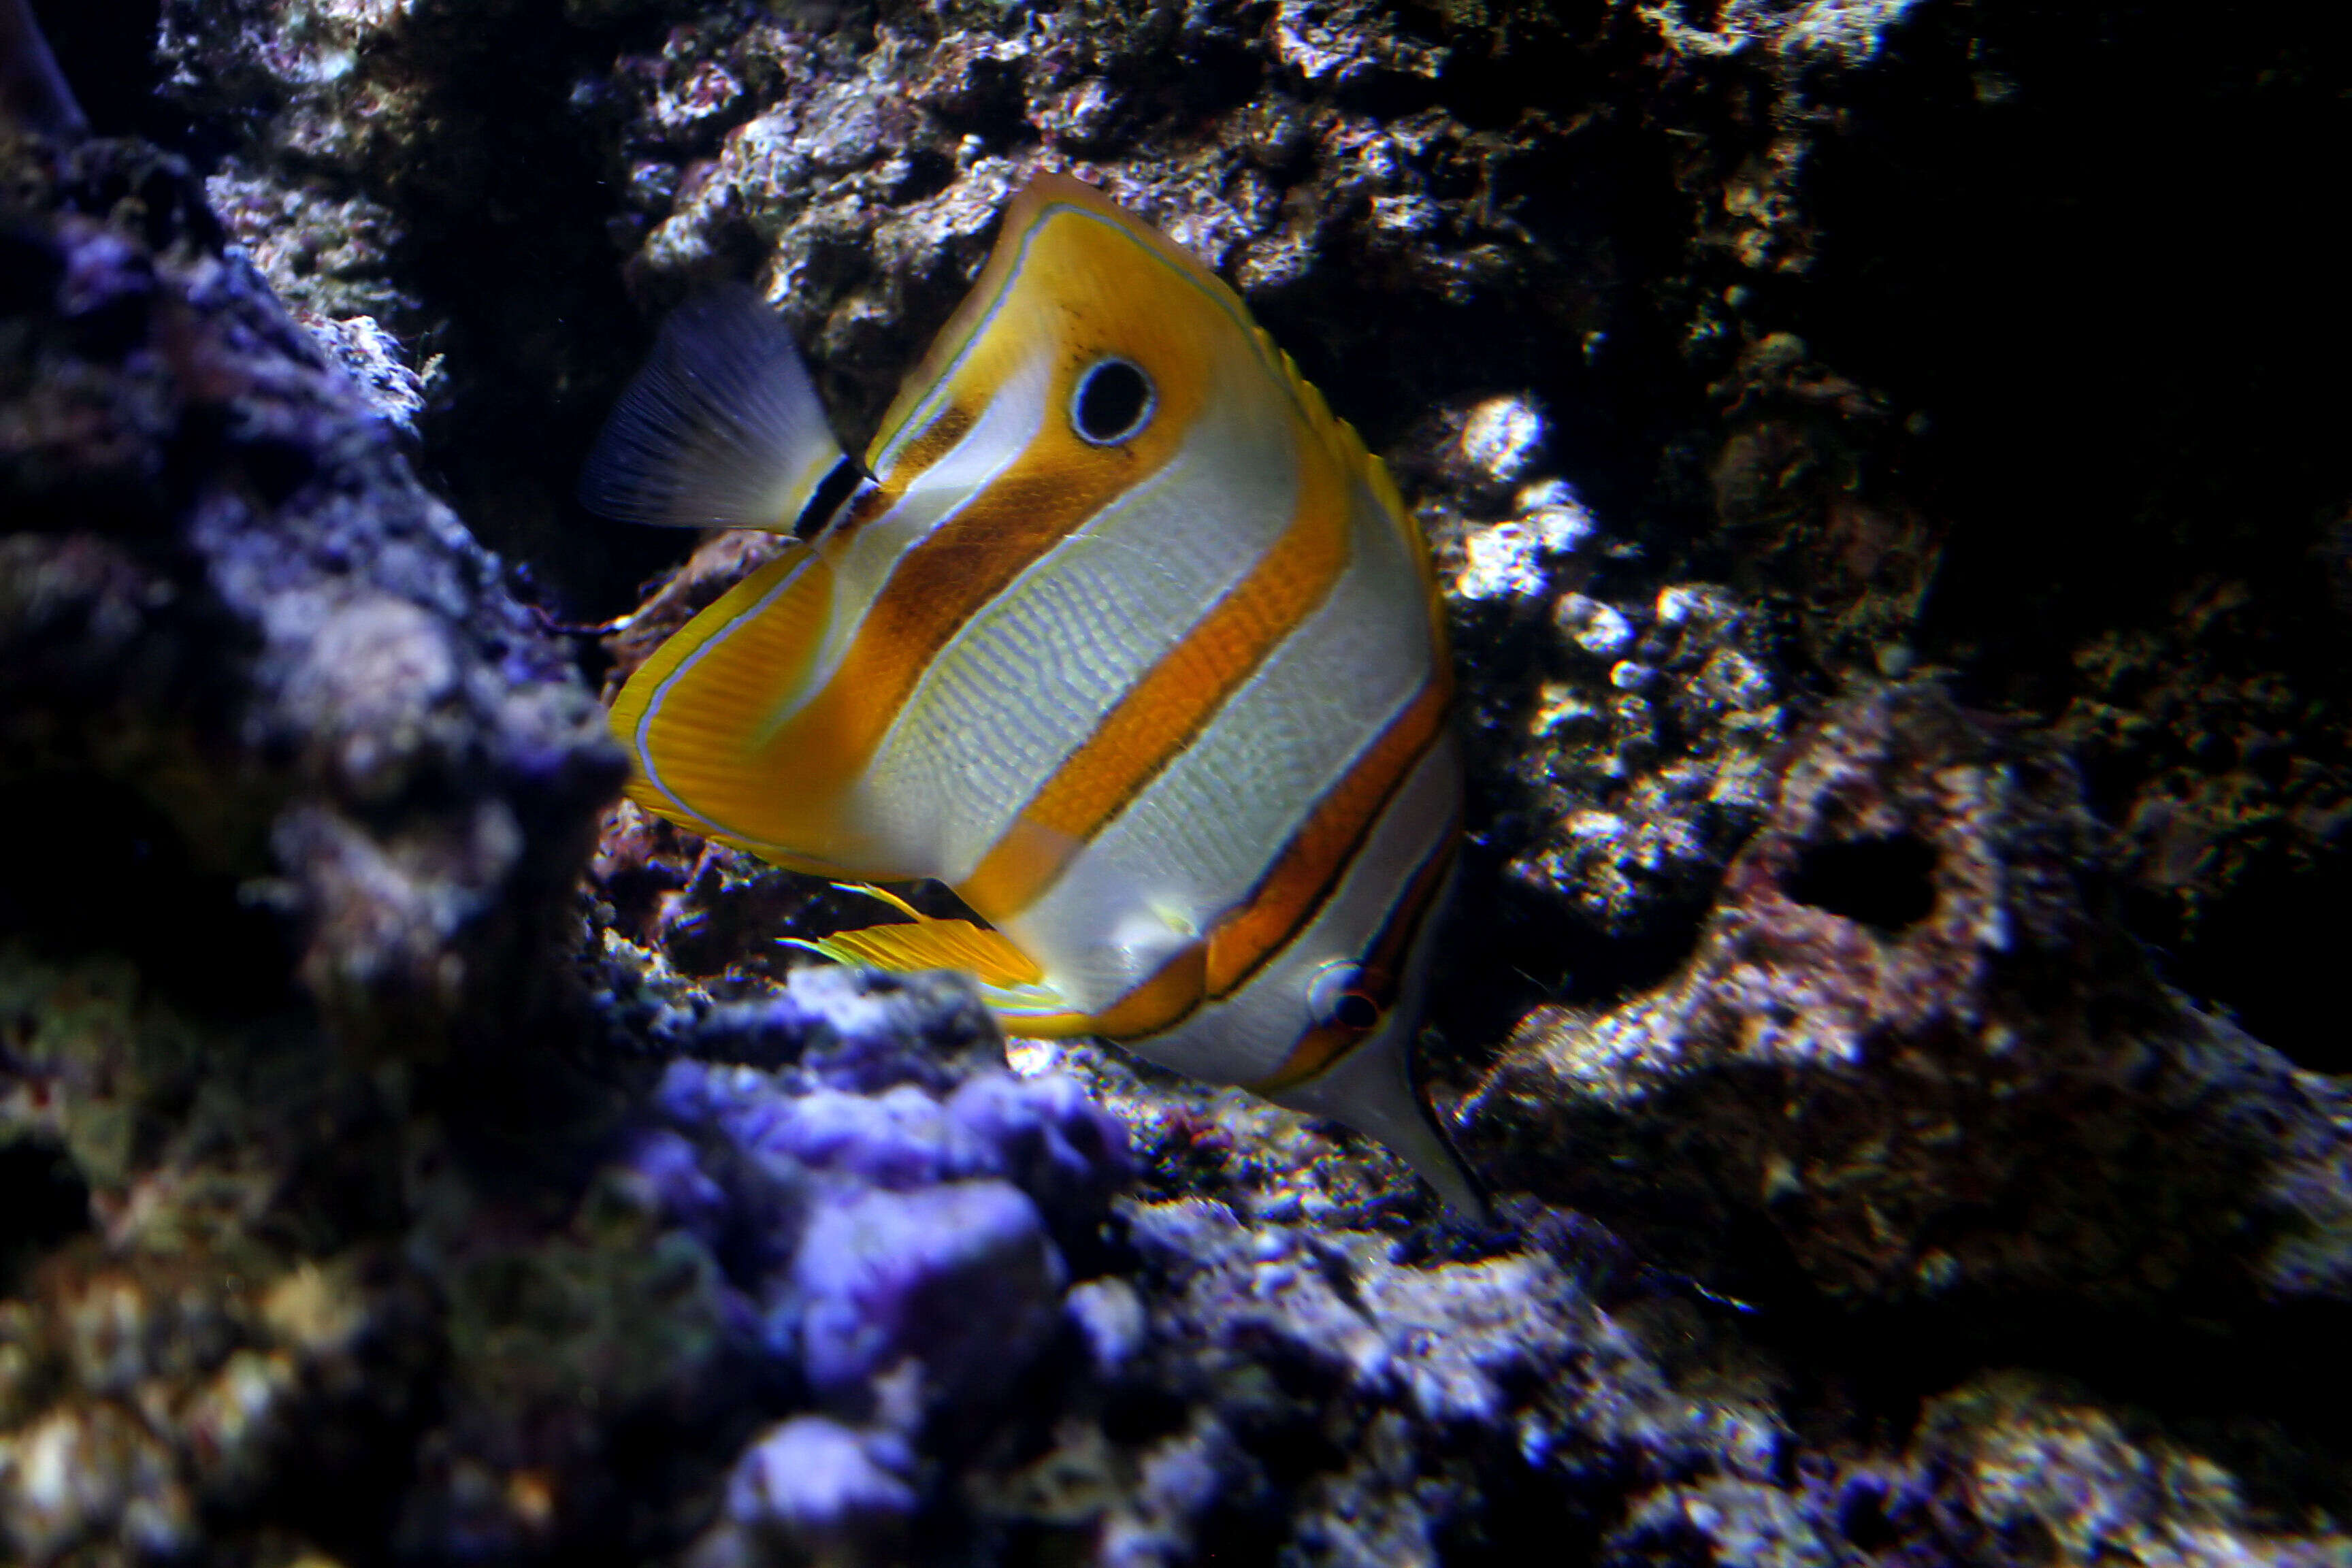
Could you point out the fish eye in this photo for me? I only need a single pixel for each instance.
(1336, 997)
(1112, 404)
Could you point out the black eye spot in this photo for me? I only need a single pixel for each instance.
(1113, 403)
(1355, 1010)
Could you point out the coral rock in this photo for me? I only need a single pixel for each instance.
(813, 1485)
(960, 1276)
(1914, 1050)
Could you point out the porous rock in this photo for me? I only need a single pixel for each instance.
(1915, 1049)
(1297, 1385)
(303, 792)
(1639, 737)
(2015, 1467)
(231, 602)
(342, 1216)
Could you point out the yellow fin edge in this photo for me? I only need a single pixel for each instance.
(928, 942)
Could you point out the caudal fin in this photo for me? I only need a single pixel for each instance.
(1371, 1089)
(720, 429)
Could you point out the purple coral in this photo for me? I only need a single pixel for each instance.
(1049, 1137)
(925, 1236)
(890, 1247)
(875, 1231)
(960, 1276)
(899, 1139)
(823, 1487)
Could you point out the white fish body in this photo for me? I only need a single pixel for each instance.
(1126, 639)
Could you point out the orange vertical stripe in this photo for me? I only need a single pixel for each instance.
(1284, 900)
(1383, 973)
(1065, 288)
(1302, 877)
(787, 788)
(1167, 708)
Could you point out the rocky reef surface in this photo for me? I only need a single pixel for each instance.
(1901, 577)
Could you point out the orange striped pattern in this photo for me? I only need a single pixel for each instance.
(1050, 491)
(1285, 563)
(1303, 873)
(937, 587)
(1301, 877)
(1165, 710)
(1322, 1046)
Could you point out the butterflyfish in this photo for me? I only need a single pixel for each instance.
(1116, 631)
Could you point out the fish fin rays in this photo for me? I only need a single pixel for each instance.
(929, 943)
(648, 798)
(720, 429)
(1371, 1091)
(1342, 435)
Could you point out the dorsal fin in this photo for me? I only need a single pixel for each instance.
(1360, 461)
(720, 429)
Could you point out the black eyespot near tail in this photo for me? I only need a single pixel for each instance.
(825, 502)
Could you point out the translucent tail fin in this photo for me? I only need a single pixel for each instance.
(720, 429)
(1371, 1089)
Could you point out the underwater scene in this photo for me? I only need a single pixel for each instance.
(1274, 784)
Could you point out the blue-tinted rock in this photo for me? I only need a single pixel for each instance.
(960, 1277)
(1916, 1049)
(813, 1485)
